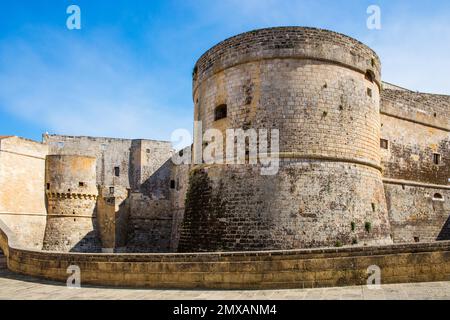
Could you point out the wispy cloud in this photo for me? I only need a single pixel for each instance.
(129, 74)
(90, 85)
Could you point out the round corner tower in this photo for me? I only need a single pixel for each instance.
(71, 192)
(321, 90)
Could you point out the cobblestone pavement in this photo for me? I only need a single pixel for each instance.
(13, 286)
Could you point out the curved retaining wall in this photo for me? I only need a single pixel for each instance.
(243, 270)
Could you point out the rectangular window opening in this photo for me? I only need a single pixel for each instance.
(117, 171)
(436, 158)
(384, 144)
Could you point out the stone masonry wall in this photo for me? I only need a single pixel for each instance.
(136, 160)
(150, 224)
(416, 126)
(321, 91)
(72, 193)
(411, 147)
(22, 189)
(416, 215)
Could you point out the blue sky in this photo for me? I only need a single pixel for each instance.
(127, 72)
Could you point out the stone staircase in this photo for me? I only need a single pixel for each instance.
(2, 261)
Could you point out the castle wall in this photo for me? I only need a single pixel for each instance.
(142, 221)
(416, 215)
(136, 160)
(150, 224)
(416, 126)
(113, 215)
(22, 193)
(313, 86)
(71, 193)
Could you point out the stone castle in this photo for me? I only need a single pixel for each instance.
(362, 162)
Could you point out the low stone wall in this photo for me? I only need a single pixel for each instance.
(242, 270)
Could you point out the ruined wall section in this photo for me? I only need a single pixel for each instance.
(71, 193)
(416, 129)
(22, 189)
(321, 90)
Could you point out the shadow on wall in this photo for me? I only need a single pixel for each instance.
(445, 232)
(157, 185)
(151, 217)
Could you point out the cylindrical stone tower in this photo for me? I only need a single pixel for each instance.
(321, 90)
(71, 204)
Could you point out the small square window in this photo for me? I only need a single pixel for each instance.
(384, 144)
(436, 158)
(81, 184)
(117, 171)
(220, 112)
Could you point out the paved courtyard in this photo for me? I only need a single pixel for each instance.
(13, 286)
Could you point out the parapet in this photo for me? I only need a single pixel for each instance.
(288, 42)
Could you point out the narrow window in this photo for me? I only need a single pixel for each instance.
(436, 158)
(369, 92)
(373, 207)
(117, 171)
(172, 184)
(220, 112)
(111, 190)
(48, 186)
(384, 144)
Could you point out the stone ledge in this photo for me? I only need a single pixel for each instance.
(238, 270)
